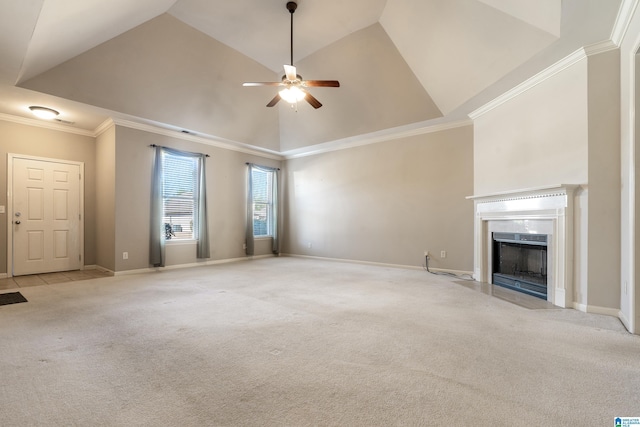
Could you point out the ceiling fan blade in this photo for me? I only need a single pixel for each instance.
(262, 84)
(313, 101)
(274, 101)
(290, 72)
(322, 83)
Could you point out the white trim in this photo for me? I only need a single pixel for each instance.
(3, 275)
(10, 158)
(596, 48)
(552, 208)
(103, 127)
(594, 309)
(547, 190)
(46, 125)
(375, 137)
(625, 321)
(152, 128)
(384, 135)
(189, 265)
(226, 144)
(379, 264)
(530, 83)
(623, 20)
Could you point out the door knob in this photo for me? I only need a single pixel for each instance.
(17, 213)
(17, 222)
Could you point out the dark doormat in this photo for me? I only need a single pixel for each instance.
(12, 298)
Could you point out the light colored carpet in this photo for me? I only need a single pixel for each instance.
(296, 342)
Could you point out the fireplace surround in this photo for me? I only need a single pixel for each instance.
(536, 211)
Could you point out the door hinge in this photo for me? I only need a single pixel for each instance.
(79, 257)
(80, 217)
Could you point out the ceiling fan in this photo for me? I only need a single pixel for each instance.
(294, 88)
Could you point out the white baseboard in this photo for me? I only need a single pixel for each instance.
(626, 322)
(380, 264)
(354, 261)
(596, 309)
(190, 265)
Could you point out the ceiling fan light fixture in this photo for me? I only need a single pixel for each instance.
(44, 112)
(292, 83)
(292, 94)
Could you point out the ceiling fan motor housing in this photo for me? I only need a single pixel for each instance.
(292, 6)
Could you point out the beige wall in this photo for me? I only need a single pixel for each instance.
(226, 200)
(538, 138)
(40, 142)
(106, 189)
(385, 202)
(604, 180)
(565, 130)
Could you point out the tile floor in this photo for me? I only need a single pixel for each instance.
(50, 278)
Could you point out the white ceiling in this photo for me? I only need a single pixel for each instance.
(457, 49)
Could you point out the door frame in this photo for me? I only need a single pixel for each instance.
(10, 158)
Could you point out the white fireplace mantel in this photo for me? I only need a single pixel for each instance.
(542, 210)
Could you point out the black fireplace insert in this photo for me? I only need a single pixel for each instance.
(520, 262)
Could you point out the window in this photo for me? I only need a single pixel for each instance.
(178, 202)
(262, 187)
(179, 195)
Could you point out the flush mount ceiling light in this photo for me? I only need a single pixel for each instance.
(44, 112)
(294, 88)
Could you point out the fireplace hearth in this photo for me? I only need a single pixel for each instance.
(520, 262)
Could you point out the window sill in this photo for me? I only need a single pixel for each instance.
(263, 238)
(181, 242)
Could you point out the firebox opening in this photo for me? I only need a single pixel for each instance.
(520, 262)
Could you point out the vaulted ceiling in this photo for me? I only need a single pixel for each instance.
(180, 64)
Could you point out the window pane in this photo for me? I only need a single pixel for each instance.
(262, 202)
(179, 194)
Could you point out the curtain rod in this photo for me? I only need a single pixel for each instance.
(154, 145)
(248, 163)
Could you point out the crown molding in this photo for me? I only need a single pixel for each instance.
(623, 20)
(103, 127)
(206, 140)
(602, 47)
(530, 83)
(374, 138)
(45, 125)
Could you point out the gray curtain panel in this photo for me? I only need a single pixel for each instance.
(157, 240)
(156, 244)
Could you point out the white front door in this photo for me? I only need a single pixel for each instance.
(45, 215)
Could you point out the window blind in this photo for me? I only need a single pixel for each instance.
(179, 195)
(262, 201)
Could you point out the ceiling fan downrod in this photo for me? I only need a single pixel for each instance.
(291, 7)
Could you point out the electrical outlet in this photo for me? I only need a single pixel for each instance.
(309, 245)
(244, 246)
(125, 255)
(443, 254)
